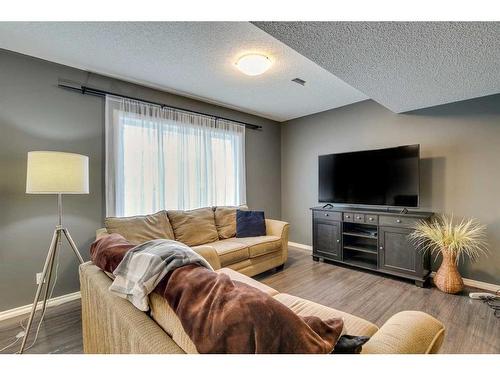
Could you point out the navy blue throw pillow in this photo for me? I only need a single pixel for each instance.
(250, 223)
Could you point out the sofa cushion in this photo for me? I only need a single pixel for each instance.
(225, 222)
(194, 227)
(141, 228)
(260, 245)
(229, 251)
(255, 266)
(353, 325)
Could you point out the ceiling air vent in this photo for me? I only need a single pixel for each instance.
(299, 81)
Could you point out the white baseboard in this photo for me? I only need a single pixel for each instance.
(477, 284)
(300, 246)
(467, 282)
(27, 308)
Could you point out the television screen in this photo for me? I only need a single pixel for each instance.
(384, 177)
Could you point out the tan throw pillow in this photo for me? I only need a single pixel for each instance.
(139, 229)
(225, 221)
(195, 227)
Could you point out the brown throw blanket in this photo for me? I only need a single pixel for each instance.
(225, 316)
(108, 251)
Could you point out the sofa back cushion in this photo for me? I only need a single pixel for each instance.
(195, 227)
(225, 220)
(139, 229)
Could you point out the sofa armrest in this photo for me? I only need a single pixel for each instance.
(100, 233)
(275, 227)
(210, 255)
(279, 229)
(407, 332)
(111, 324)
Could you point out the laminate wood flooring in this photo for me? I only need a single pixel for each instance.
(470, 325)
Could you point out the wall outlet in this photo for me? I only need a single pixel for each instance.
(38, 279)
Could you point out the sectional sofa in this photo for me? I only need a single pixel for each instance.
(213, 227)
(113, 325)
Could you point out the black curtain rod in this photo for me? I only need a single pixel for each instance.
(101, 93)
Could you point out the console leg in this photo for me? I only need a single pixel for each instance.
(280, 268)
(316, 259)
(420, 284)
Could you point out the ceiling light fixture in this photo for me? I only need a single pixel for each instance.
(253, 64)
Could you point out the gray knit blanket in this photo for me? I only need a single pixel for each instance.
(144, 266)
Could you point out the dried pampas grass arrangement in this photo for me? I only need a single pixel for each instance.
(454, 241)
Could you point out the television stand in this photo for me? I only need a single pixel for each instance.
(370, 239)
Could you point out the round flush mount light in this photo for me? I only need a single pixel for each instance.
(253, 64)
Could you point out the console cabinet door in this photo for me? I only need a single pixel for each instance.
(397, 254)
(327, 239)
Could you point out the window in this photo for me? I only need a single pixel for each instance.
(166, 159)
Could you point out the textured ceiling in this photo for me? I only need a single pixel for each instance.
(191, 58)
(402, 65)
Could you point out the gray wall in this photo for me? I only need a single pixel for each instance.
(460, 169)
(36, 115)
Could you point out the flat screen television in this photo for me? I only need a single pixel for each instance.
(383, 177)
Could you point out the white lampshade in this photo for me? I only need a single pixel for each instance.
(51, 172)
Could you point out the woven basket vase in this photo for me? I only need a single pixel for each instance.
(447, 277)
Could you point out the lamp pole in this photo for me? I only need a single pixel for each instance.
(55, 245)
(52, 172)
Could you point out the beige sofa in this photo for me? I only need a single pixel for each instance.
(113, 325)
(213, 227)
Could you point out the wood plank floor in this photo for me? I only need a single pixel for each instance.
(471, 326)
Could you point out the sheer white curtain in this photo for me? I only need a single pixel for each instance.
(167, 159)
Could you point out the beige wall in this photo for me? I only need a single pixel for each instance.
(460, 169)
(36, 115)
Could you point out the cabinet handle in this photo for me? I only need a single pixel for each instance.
(381, 248)
(326, 215)
(358, 217)
(370, 218)
(347, 216)
(398, 221)
(338, 241)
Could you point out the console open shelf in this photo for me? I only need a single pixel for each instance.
(359, 245)
(362, 248)
(361, 261)
(359, 234)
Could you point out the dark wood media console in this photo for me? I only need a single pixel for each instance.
(375, 240)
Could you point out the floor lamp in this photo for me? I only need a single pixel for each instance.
(51, 172)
